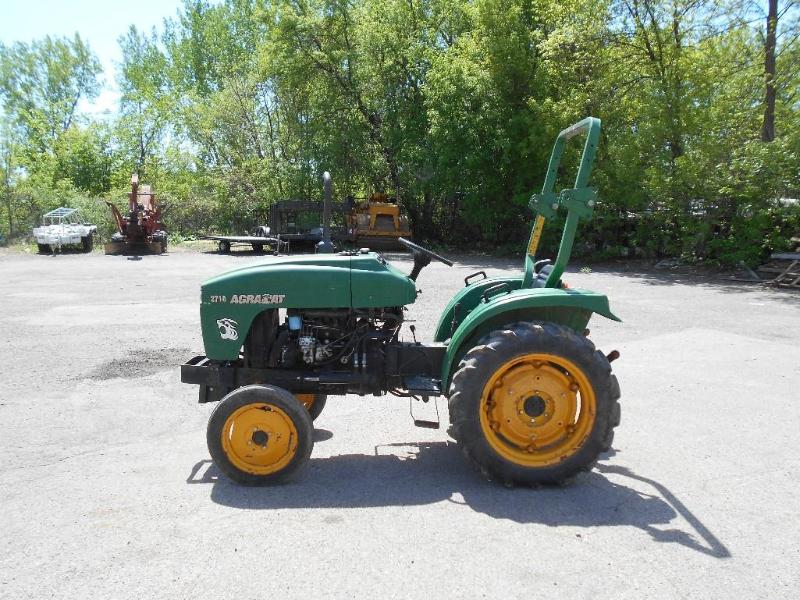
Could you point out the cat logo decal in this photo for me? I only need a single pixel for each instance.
(227, 329)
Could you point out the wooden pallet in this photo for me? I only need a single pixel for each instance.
(787, 271)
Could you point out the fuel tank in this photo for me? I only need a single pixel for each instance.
(230, 301)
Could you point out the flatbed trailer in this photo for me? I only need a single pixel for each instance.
(257, 241)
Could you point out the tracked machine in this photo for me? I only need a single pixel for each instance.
(531, 401)
(140, 231)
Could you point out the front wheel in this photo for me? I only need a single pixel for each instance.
(87, 243)
(314, 403)
(534, 403)
(260, 434)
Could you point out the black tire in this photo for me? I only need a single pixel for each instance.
(224, 247)
(259, 248)
(43, 248)
(501, 348)
(317, 405)
(257, 395)
(87, 243)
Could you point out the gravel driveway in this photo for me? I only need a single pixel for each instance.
(107, 490)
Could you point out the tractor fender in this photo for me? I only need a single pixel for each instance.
(569, 307)
(465, 301)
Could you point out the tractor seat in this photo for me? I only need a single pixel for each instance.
(543, 268)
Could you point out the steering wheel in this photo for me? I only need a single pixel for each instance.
(417, 249)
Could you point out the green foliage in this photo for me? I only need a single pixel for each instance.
(41, 84)
(83, 156)
(451, 106)
(49, 158)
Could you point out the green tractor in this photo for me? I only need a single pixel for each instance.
(531, 400)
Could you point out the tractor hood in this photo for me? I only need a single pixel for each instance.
(317, 281)
(230, 301)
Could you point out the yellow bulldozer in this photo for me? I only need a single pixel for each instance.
(376, 222)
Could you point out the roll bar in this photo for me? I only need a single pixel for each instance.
(579, 201)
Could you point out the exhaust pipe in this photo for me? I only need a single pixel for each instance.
(326, 246)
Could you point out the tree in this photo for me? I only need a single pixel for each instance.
(146, 102)
(768, 128)
(6, 168)
(41, 84)
(451, 106)
(83, 156)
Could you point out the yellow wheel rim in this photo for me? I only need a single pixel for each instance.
(259, 439)
(306, 400)
(537, 410)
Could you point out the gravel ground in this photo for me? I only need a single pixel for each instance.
(107, 491)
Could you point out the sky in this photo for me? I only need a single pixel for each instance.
(99, 22)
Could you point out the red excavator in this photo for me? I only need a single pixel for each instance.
(141, 230)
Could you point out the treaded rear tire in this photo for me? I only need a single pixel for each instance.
(500, 347)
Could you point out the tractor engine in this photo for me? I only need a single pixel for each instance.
(316, 337)
(336, 338)
(333, 339)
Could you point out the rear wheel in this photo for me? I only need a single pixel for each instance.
(534, 403)
(224, 247)
(43, 248)
(258, 248)
(260, 434)
(87, 243)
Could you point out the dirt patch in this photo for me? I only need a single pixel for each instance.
(140, 365)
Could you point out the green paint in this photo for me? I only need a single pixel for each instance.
(579, 201)
(465, 301)
(376, 283)
(569, 307)
(318, 281)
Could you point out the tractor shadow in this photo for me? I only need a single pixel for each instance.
(417, 474)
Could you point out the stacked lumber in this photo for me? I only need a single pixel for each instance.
(785, 268)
